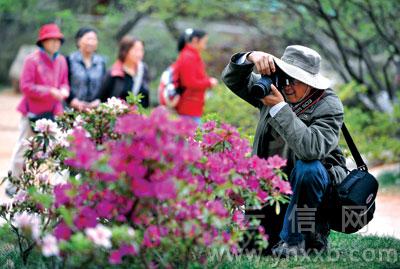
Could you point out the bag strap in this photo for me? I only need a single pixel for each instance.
(314, 98)
(353, 149)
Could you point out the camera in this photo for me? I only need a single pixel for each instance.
(262, 87)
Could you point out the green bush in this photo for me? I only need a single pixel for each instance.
(376, 134)
(389, 179)
(225, 106)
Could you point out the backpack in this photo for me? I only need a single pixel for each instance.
(169, 90)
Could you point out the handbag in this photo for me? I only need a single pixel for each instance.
(354, 197)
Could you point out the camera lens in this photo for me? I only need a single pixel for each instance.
(261, 88)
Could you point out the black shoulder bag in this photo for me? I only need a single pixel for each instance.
(354, 197)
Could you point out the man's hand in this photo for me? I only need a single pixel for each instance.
(264, 62)
(275, 97)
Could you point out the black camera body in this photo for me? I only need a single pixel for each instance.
(262, 87)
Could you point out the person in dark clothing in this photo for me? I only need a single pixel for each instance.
(86, 70)
(128, 74)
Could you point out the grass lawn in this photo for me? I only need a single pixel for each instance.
(347, 251)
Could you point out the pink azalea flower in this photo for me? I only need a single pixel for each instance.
(234, 249)
(253, 183)
(87, 217)
(62, 231)
(84, 150)
(282, 185)
(207, 238)
(276, 162)
(226, 236)
(127, 124)
(209, 126)
(239, 218)
(142, 188)
(164, 189)
(152, 237)
(218, 208)
(104, 209)
(262, 195)
(115, 257)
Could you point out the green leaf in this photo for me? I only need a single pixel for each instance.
(67, 215)
(44, 199)
(80, 244)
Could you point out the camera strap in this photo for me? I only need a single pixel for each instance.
(313, 99)
(308, 102)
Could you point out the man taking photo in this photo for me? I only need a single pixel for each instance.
(300, 120)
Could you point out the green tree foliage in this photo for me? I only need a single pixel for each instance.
(376, 134)
(360, 39)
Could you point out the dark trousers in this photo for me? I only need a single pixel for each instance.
(310, 185)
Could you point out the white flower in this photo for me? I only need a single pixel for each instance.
(52, 178)
(131, 232)
(59, 178)
(20, 196)
(78, 121)
(116, 104)
(62, 139)
(46, 126)
(100, 235)
(50, 246)
(29, 223)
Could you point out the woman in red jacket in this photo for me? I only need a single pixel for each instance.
(192, 75)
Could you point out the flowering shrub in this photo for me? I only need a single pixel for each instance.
(144, 190)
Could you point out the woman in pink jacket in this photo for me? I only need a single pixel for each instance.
(44, 84)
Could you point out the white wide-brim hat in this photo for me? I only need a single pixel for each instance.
(303, 64)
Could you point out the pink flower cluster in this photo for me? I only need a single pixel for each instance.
(157, 178)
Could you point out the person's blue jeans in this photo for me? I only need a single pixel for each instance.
(309, 182)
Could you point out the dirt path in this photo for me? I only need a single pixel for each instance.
(385, 222)
(8, 132)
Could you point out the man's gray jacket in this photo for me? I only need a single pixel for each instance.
(313, 135)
